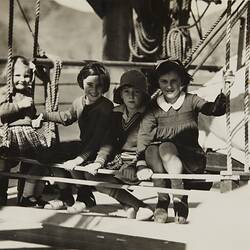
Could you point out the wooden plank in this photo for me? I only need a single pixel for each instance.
(205, 177)
(53, 180)
(87, 239)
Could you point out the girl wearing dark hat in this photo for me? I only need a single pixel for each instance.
(119, 147)
(168, 135)
(92, 111)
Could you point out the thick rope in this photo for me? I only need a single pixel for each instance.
(140, 43)
(227, 88)
(35, 45)
(6, 140)
(246, 95)
(52, 100)
(164, 35)
(178, 43)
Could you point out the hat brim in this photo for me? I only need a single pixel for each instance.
(168, 64)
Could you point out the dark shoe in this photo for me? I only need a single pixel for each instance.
(160, 215)
(67, 197)
(32, 201)
(180, 210)
(86, 196)
(3, 200)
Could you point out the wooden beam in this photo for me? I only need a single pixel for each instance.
(53, 180)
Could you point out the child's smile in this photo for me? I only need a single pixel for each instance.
(93, 88)
(171, 86)
(21, 76)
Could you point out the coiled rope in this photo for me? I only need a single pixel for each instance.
(178, 43)
(140, 43)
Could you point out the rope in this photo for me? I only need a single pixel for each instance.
(236, 15)
(188, 59)
(35, 45)
(164, 49)
(178, 43)
(52, 100)
(139, 40)
(246, 94)
(6, 140)
(227, 88)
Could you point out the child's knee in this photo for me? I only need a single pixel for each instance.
(153, 159)
(167, 150)
(151, 151)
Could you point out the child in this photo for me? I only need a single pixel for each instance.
(92, 111)
(168, 135)
(120, 145)
(18, 111)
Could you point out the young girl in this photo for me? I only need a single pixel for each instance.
(168, 135)
(18, 111)
(119, 147)
(92, 111)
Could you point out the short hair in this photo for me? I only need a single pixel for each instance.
(165, 66)
(94, 68)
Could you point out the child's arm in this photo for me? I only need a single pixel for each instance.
(10, 108)
(146, 135)
(102, 155)
(100, 127)
(65, 118)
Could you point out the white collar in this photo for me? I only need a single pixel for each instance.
(166, 106)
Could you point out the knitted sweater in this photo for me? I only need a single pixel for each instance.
(177, 123)
(11, 113)
(93, 121)
(122, 136)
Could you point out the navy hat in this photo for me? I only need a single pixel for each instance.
(132, 78)
(165, 66)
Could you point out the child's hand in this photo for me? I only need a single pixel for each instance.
(26, 102)
(144, 173)
(92, 168)
(37, 123)
(71, 164)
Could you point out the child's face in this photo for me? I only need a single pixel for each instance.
(93, 88)
(170, 85)
(132, 97)
(21, 76)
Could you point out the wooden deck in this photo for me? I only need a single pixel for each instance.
(216, 221)
(103, 227)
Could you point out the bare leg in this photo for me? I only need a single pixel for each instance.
(155, 163)
(173, 165)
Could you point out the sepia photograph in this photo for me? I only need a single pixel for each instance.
(124, 124)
